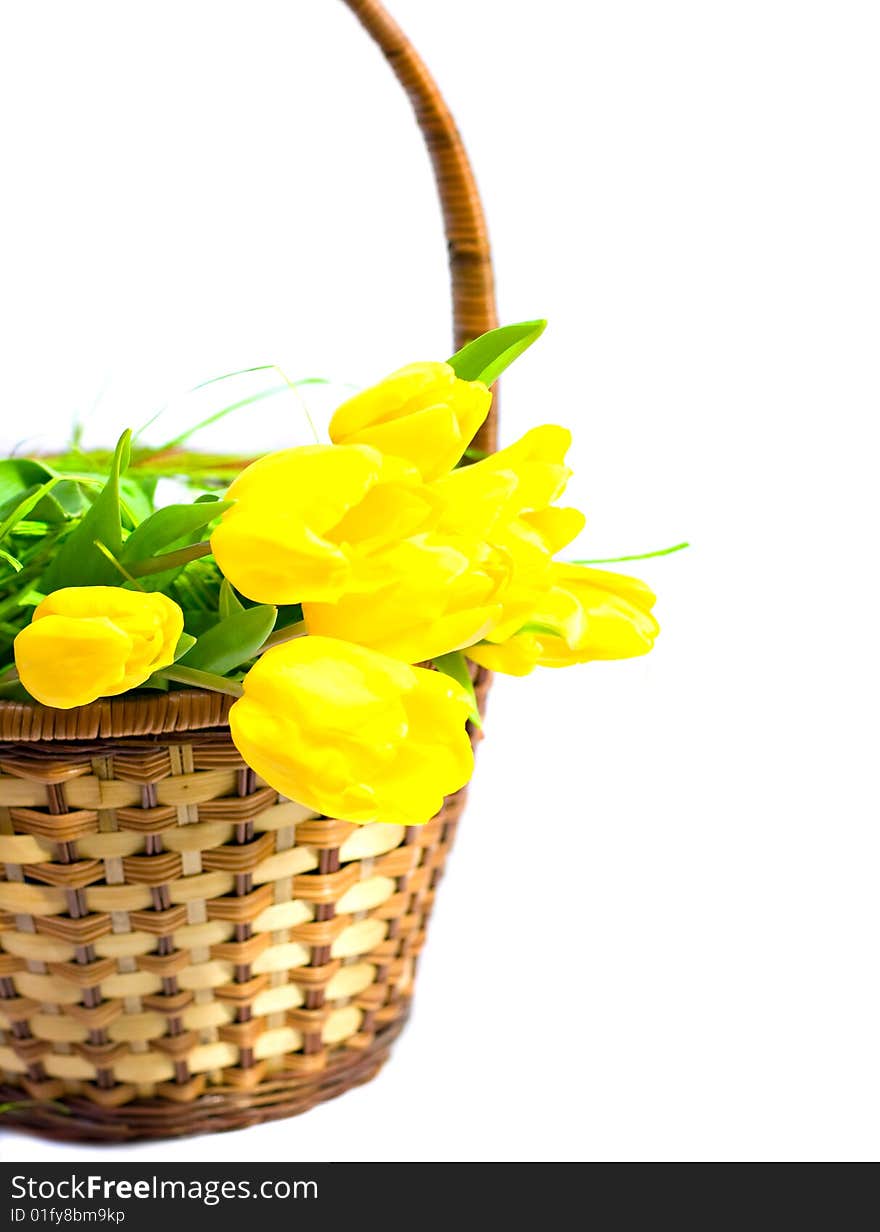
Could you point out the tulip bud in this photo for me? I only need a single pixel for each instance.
(423, 413)
(352, 734)
(86, 642)
(300, 516)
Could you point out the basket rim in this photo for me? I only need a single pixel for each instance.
(137, 713)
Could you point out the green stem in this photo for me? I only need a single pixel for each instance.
(614, 560)
(280, 636)
(183, 675)
(201, 680)
(171, 560)
(236, 406)
(104, 550)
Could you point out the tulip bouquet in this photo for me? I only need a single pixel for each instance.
(344, 593)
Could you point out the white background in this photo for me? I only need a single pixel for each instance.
(657, 938)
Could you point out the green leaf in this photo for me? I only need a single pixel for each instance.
(14, 691)
(136, 498)
(20, 478)
(18, 475)
(48, 509)
(29, 598)
(156, 681)
(536, 626)
(164, 528)
(118, 566)
(78, 561)
(233, 641)
(26, 505)
(486, 357)
(198, 623)
(185, 643)
(229, 600)
(70, 497)
(455, 665)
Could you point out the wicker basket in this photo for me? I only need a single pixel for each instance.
(182, 950)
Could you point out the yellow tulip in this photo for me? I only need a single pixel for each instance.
(86, 642)
(485, 566)
(423, 413)
(302, 515)
(526, 476)
(353, 734)
(585, 614)
(418, 599)
(506, 500)
(529, 564)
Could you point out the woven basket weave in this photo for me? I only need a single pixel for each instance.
(181, 949)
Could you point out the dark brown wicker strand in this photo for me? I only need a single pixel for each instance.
(81, 1120)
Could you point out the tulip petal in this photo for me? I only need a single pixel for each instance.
(603, 579)
(278, 560)
(397, 395)
(389, 512)
(317, 776)
(317, 483)
(431, 438)
(423, 413)
(518, 656)
(538, 461)
(599, 615)
(66, 661)
(301, 516)
(556, 526)
(475, 499)
(419, 599)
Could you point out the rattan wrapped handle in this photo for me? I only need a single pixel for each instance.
(470, 258)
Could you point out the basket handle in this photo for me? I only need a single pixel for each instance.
(470, 258)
